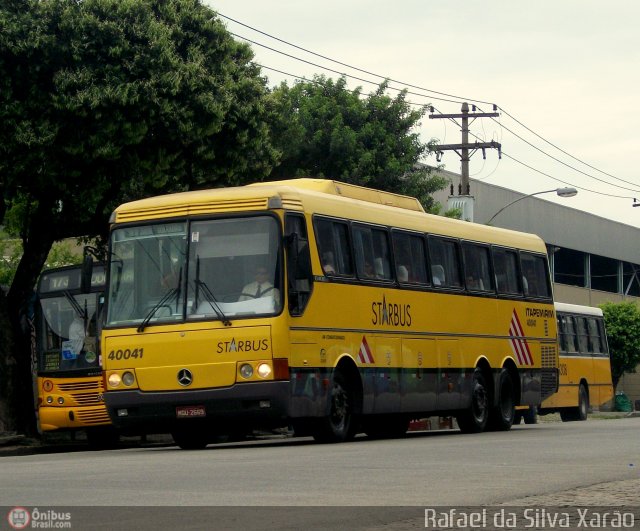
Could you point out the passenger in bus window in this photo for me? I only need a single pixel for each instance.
(327, 263)
(438, 275)
(368, 271)
(260, 287)
(403, 274)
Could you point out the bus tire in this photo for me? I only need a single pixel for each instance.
(474, 419)
(530, 416)
(190, 439)
(580, 412)
(583, 403)
(502, 416)
(339, 424)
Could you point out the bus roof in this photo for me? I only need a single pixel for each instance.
(577, 309)
(321, 196)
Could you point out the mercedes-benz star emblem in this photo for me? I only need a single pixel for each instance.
(185, 377)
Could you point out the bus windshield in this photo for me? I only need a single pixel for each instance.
(214, 269)
(68, 333)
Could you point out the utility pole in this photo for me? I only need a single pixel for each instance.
(466, 149)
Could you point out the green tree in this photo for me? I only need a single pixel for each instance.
(103, 101)
(622, 321)
(325, 130)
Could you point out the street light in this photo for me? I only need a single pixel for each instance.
(562, 192)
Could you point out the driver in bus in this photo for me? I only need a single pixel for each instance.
(260, 287)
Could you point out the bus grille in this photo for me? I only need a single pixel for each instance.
(82, 386)
(549, 372)
(87, 399)
(93, 416)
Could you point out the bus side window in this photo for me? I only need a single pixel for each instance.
(562, 335)
(595, 343)
(477, 267)
(409, 251)
(333, 240)
(535, 275)
(581, 333)
(445, 262)
(506, 267)
(569, 333)
(300, 276)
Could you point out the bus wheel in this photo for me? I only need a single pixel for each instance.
(583, 403)
(530, 416)
(190, 439)
(339, 425)
(501, 417)
(474, 419)
(570, 414)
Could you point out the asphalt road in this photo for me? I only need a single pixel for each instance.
(365, 483)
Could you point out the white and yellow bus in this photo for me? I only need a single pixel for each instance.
(584, 363)
(320, 305)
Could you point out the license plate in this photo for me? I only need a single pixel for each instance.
(183, 412)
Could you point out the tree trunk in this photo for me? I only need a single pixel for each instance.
(17, 401)
(8, 376)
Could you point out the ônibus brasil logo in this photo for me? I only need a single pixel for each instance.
(19, 517)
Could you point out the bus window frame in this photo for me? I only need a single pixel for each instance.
(412, 284)
(334, 275)
(458, 255)
(355, 225)
(484, 292)
(507, 294)
(547, 276)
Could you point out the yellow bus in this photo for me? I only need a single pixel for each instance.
(584, 363)
(323, 306)
(69, 375)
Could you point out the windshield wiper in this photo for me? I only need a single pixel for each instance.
(162, 302)
(210, 297)
(74, 304)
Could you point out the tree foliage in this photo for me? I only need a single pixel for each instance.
(326, 130)
(103, 101)
(622, 321)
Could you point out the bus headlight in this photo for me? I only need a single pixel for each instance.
(49, 400)
(264, 370)
(114, 380)
(246, 371)
(60, 400)
(128, 378)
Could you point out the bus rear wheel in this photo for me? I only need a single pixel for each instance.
(474, 419)
(502, 416)
(577, 413)
(339, 424)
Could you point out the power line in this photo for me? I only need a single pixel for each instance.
(337, 71)
(563, 151)
(457, 100)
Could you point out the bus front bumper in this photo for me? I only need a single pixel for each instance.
(263, 404)
(56, 418)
